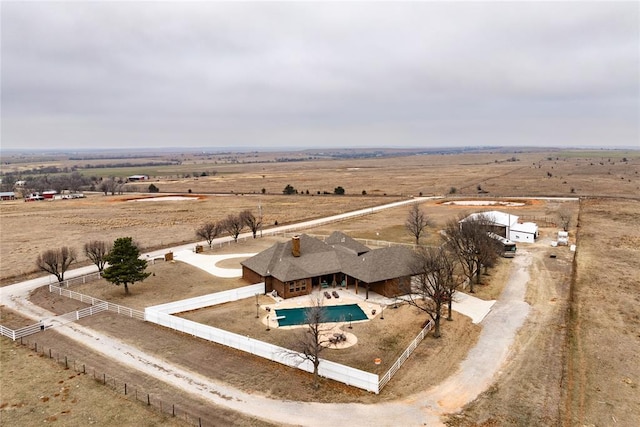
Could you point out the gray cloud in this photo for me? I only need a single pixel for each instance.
(123, 74)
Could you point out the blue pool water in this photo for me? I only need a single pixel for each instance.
(334, 313)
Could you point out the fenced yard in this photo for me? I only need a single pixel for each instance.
(160, 315)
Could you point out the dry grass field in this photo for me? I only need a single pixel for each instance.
(521, 172)
(574, 361)
(59, 396)
(603, 372)
(30, 228)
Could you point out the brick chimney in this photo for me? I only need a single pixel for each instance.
(295, 246)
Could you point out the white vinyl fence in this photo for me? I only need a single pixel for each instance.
(19, 333)
(80, 279)
(59, 320)
(125, 311)
(418, 339)
(163, 315)
(351, 376)
(208, 300)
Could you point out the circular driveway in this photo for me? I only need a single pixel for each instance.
(208, 262)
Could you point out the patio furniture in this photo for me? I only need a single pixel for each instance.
(338, 337)
(326, 295)
(324, 285)
(335, 294)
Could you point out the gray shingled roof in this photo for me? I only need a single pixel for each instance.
(338, 238)
(381, 264)
(319, 258)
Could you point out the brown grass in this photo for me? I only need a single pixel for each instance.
(385, 339)
(30, 228)
(604, 349)
(528, 392)
(61, 396)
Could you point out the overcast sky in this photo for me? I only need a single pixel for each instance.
(328, 74)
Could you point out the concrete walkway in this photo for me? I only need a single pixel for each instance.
(475, 308)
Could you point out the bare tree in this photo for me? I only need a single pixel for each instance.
(489, 250)
(470, 241)
(209, 231)
(108, 186)
(250, 220)
(417, 221)
(461, 244)
(8, 182)
(434, 284)
(233, 225)
(96, 251)
(76, 181)
(56, 261)
(316, 337)
(564, 216)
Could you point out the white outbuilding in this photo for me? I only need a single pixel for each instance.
(508, 226)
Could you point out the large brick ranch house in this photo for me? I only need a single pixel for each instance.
(296, 267)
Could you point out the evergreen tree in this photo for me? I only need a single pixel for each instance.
(124, 265)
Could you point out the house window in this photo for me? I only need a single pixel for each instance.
(297, 286)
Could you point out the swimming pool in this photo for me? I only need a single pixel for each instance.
(333, 313)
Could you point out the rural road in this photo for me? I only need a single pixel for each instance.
(23, 288)
(474, 375)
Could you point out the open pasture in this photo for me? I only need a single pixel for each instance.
(29, 228)
(553, 352)
(521, 172)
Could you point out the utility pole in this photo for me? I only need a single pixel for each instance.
(260, 214)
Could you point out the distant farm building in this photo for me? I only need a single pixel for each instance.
(134, 178)
(7, 195)
(295, 267)
(49, 194)
(34, 197)
(66, 195)
(508, 226)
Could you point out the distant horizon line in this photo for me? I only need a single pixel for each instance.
(296, 149)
